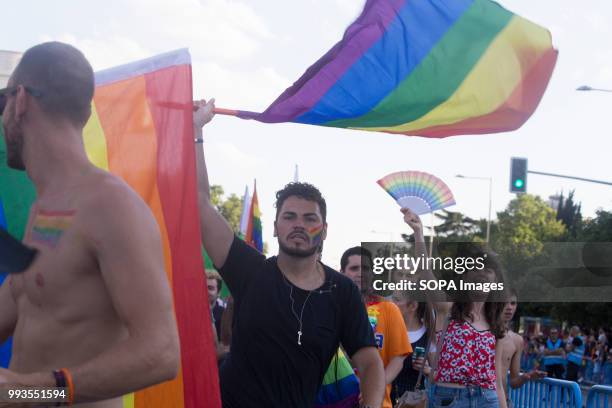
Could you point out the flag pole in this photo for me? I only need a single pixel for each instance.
(223, 111)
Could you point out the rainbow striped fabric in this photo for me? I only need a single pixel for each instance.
(340, 387)
(253, 235)
(431, 68)
(141, 130)
(421, 192)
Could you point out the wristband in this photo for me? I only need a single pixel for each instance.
(69, 385)
(60, 382)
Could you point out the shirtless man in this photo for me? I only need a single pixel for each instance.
(511, 347)
(96, 301)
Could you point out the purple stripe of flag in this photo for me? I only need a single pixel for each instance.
(321, 76)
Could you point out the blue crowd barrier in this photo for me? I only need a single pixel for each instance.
(547, 393)
(599, 397)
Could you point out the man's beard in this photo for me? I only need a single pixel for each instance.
(14, 148)
(298, 253)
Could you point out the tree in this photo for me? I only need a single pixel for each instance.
(456, 226)
(591, 314)
(522, 229)
(230, 208)
(598, 229)
(569, 214)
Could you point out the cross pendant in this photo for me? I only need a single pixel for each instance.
(299, 337)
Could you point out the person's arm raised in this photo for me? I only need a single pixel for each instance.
(217, 235)
(437, 298)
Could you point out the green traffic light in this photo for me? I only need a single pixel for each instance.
(518, 183)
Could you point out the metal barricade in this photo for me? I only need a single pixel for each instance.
(547, 393)
(599, 396)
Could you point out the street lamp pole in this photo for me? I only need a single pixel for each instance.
(490, 179)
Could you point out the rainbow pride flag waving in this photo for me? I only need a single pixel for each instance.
(141, 129)
(431, 68)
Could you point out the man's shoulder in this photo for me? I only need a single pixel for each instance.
(108, 202)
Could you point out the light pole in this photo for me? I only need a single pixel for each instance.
(588, 88)
(490, 179)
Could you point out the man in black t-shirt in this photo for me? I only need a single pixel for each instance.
(291, 312)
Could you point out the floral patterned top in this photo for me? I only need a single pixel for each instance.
(467, 357)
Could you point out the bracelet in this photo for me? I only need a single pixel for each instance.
(60, 382)
(198, 140)
(69, 384)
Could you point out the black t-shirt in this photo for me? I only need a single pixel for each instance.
(217, 312)
(266, 366)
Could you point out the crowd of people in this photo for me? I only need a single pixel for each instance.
(584, 355)
(463, 346)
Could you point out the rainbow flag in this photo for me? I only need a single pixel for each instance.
(340, 387)
(141, 130)
(430, 68)
(253, 235)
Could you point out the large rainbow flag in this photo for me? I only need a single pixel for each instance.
(431, 68)
(141, 129)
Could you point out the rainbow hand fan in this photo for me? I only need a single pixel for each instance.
(421, 192)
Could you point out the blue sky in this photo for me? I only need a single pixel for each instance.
(245, 53)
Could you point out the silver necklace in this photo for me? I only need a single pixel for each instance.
(298, 318)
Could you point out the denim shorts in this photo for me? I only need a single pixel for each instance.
(469, 397)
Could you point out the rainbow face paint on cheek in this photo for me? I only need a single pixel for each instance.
(315, 234)
(49, 227)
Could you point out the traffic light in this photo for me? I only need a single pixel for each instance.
(518, 175)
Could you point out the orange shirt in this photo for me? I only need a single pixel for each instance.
(391, 335)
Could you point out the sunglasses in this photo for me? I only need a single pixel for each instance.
(12, 91)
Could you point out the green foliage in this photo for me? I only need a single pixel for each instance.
(569, 214)
(590, 315)
(456, 226)
(598, 229)
(230, 208)
(522, 229)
